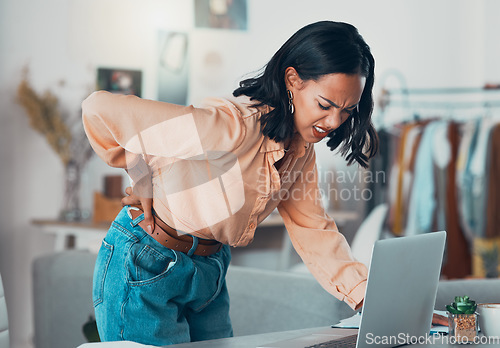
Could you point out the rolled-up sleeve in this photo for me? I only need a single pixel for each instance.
(116, 124)
(317, 240)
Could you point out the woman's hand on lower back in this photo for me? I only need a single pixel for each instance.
(146, 205)
(130, 199)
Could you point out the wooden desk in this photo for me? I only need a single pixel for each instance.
(263, 339)
(88, 234)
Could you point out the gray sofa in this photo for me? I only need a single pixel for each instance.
(261, 301)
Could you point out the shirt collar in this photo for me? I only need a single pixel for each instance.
(298, 145)
(269, 145)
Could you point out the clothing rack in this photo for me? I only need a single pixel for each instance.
(406, 93)
(448, 105)
(445, 90)
(448, 99)
(401, 139)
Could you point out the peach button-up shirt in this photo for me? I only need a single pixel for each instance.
(214, 176)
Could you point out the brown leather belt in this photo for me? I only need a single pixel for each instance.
(170, 238)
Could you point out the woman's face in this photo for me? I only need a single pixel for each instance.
(322, 106)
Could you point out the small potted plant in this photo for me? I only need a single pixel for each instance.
(462, 319)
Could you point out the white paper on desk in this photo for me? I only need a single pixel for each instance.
(349, 323)
(354, 322)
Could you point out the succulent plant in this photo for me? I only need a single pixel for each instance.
(462, 305)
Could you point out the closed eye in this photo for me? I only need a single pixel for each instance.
(350, 111)
(324, 107)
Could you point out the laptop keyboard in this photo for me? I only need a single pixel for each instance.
(344, 342)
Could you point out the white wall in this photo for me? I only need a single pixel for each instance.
(491, 31)
(433, 43)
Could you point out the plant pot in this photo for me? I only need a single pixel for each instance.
(463, 327)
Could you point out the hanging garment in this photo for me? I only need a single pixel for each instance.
(422, 200)
(493, 195)
(463, 180)
(396, 216)
(394, 178)
(412, 142)
(457, 263)
(441, 158)
(479, 169)
(486, 251)
(380, 163)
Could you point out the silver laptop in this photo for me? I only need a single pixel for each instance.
(399, 300)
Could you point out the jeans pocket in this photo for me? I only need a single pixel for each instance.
(147, 265)
(218, 285)
(100, 270)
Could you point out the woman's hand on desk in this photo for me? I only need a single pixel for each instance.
(359, 306)
(146, 206)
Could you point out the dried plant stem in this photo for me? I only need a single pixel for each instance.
(69, 142)
(45, 118)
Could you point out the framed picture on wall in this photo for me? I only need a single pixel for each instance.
(173, 67)
(223, 14)
(121, 81)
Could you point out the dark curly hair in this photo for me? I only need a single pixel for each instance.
(316, 50)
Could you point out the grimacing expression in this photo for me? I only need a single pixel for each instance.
(321, 106)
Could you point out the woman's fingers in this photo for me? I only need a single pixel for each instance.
(146, 204)
(147, 207)
(131, 199)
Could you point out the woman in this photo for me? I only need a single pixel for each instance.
(205, 177)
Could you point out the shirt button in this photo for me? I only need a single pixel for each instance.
(251, 226)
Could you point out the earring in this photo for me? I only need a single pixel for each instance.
(290, 101)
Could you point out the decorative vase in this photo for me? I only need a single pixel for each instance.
(463, 327)
(70, 210)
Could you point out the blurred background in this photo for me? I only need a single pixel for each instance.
(437, 78)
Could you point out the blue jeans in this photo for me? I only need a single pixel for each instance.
(147, 293)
